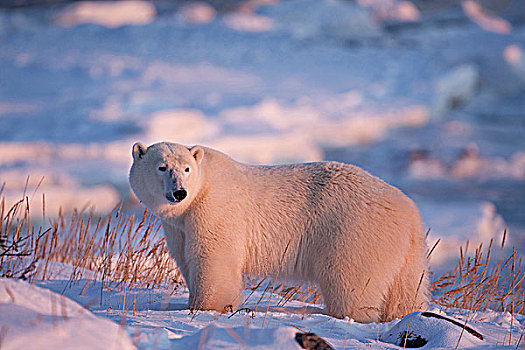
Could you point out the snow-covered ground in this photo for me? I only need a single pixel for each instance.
(35, 317)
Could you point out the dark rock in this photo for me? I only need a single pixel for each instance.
(311, 341)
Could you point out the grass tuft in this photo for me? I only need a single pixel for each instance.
(122, 251)
(479, 282)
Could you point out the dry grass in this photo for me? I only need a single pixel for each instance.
(122, 251)
(125, 252)
(479, 282)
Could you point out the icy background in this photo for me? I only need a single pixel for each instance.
(428, 95)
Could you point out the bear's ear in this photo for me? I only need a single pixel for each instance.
(197, 153)
(139, 150)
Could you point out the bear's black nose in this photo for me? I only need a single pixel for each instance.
(180, 194)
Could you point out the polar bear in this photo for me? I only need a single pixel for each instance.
(359, 239)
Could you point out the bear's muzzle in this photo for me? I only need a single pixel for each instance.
(176, 196)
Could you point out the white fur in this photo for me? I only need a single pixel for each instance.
(360, 239)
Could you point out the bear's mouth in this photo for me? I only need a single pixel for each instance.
(171, 199)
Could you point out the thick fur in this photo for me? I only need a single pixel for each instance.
(359, 239)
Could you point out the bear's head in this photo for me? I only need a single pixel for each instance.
(166, 176)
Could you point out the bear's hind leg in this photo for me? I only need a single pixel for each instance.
(409, 290)
(343, 298)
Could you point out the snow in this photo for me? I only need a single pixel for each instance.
(326, 18)
(215, 337)
(455, 88)
(392, 10)
(487, 21)
(107, 13)
(437, 332)
(248, 22)
(62, 190)
(458, 223)
(181, 124)
(196, 12)
(36, 318)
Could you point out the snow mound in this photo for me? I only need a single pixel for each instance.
(215, 337)
(455, 88)
(432, 331)
(62, 192)
(305, 19)
(484, 18)
(469, 164)
(458, 222)
(392, 10)
(111, 14)
(515, 58)
(35, 318)
(336, 121)
(268, 148)
(196, 13)
(248, 22)
(186, 126)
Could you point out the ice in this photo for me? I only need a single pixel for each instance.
(332, 19)
(196, 12)
(272, 131)
(188, 126)
(392, 10)
(469, 164)
(41, 169)
(514, 56)
(62, 198)
(455, 224)
(335, 121)
(269, 148)
(455, 88)
(484, 19)
(248, 22)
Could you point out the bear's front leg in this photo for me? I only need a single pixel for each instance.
(216, 282)
(175, 240)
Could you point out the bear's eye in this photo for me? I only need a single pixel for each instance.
(187, 170)
(162, 168)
